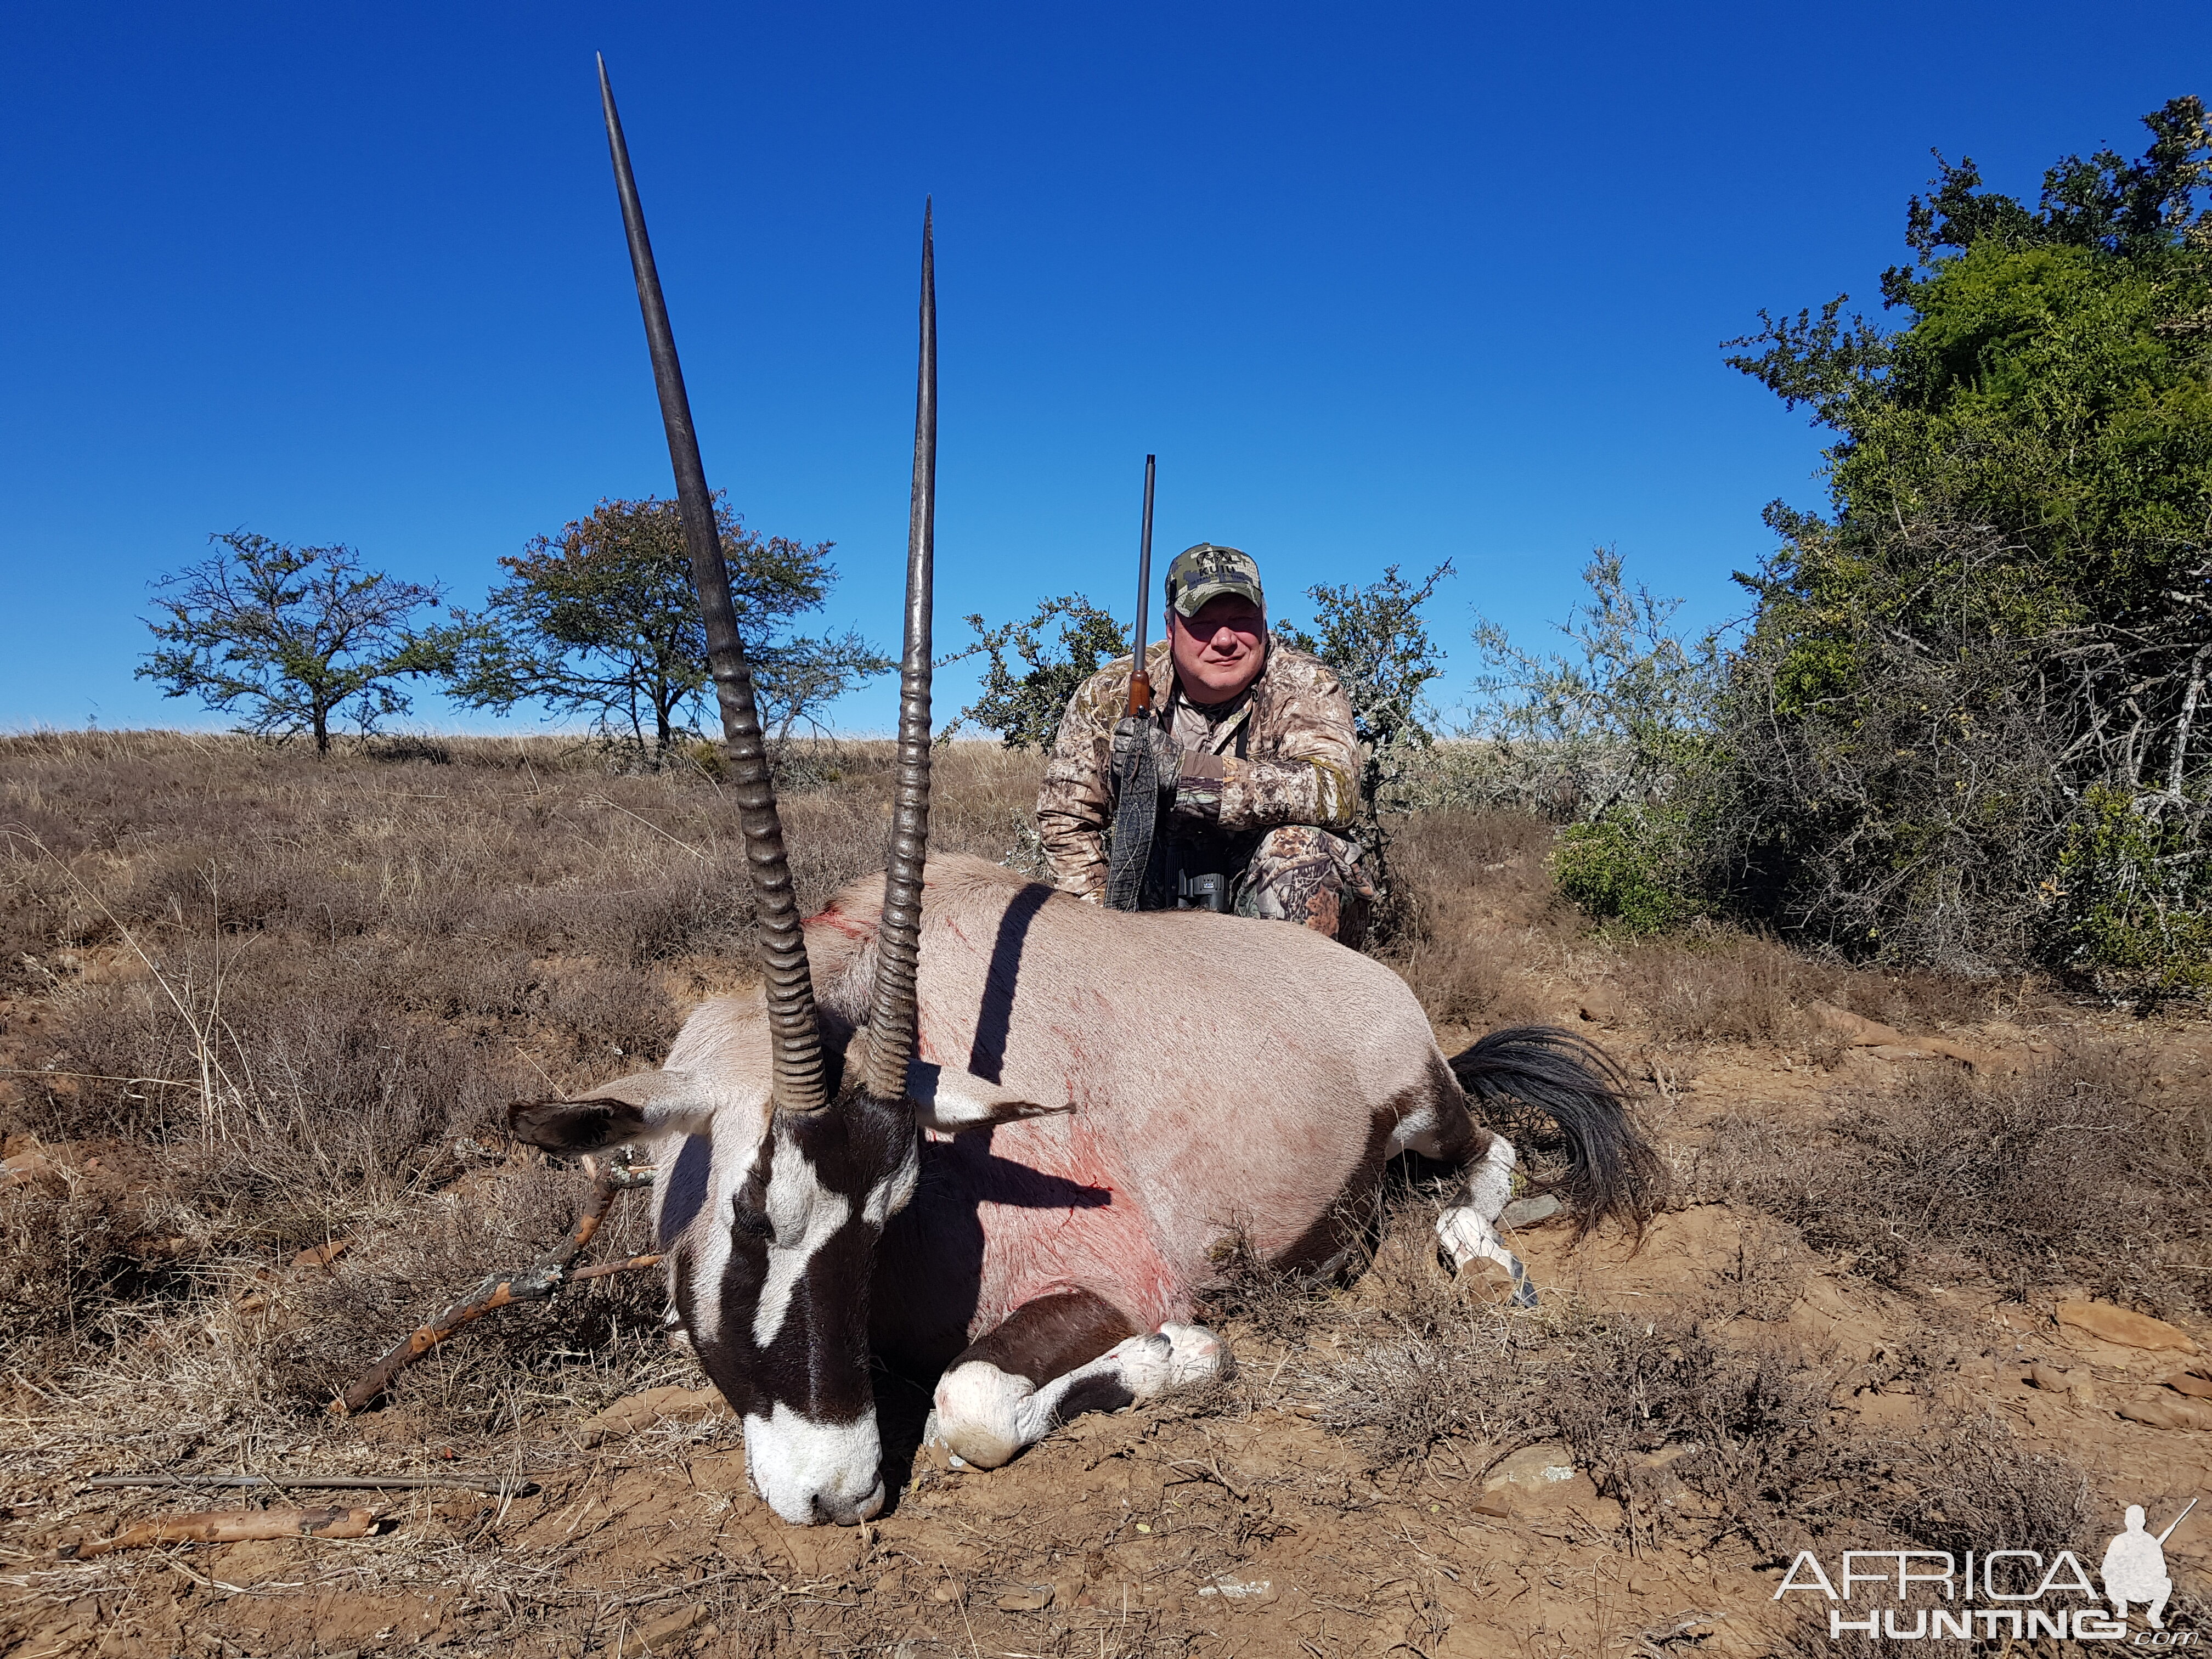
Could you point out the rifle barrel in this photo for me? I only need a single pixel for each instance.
(1140, 682)
(2178, 1520)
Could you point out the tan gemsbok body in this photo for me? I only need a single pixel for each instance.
(997, 1134)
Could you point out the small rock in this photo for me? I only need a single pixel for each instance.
(1890, 1043)
(1599, 1005)
(1532, 1211)
(1857, 1029)
(2191, 1382)
(2074, 1386)
(2123, 1325)
(2168, 1412)
(29, 1166)
(1495, 1505)
(1543, 1475)
(674, 1624)
(1232, 1585)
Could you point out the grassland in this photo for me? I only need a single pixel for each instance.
(260, 1016)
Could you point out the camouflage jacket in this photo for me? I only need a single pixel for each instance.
(1283, 752)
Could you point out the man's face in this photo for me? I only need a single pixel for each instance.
(1221, 650)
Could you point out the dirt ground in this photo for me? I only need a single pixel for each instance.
(1396, 1465)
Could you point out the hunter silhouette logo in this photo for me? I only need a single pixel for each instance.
(2022, 1592)
(2134, 1567)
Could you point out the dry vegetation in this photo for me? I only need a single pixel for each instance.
(255, 1006)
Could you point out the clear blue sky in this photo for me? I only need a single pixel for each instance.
(1378, 283)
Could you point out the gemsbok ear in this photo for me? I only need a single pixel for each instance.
(948, 1099)
(642, 1103)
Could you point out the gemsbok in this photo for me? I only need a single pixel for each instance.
(997, 1134)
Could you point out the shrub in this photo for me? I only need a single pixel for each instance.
(2136, 895)
(1628, 869)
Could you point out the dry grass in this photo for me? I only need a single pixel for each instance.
(1719, 986)
(1699, 1438)
(2065, 1175)
(254, 1003)
(1479, 899)
(250, 1002)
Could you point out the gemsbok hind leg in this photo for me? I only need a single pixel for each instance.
(1467, 1230)
(1613, 1173)
(1055, 1358)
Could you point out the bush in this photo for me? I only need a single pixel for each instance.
(2000, 627)
(2136, 894)
(1628, 869)
(1024, 699)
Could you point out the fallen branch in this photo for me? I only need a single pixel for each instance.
(230, 1527)
(606, 1267)
(499, 1486)
(536, 1283)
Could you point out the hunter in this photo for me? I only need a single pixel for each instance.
(1255, 757)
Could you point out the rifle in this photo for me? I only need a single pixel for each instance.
(1137, 808)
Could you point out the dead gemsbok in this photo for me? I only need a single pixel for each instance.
(989, 1132)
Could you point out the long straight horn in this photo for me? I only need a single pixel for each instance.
(800, 1085)
(898, 938)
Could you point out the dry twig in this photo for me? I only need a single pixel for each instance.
(536, 1283)
(231, 1527)
(496, 1485)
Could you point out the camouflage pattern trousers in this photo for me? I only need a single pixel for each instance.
(1295, 873)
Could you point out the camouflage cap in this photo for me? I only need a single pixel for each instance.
(1207, 572)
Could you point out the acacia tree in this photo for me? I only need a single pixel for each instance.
(291, 638)
(603, 620)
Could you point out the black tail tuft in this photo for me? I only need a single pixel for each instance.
(1613, 1173)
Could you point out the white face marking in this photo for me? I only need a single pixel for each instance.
(810, 1472)
(806, 1214)
(893, 1193)
(733, 1145)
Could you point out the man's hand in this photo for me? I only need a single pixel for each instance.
(1135, 732)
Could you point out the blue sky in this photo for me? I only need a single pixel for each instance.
(1394, 284)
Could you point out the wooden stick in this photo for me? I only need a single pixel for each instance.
(231, 1527)
(536, 1283)
(606, 1267)
(495, 1485)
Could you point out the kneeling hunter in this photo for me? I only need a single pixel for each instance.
(1254, 756)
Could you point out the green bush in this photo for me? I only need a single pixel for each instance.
(1627, 870)
(2135, 896)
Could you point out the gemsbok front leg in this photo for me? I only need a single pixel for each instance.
(1055, 1358)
